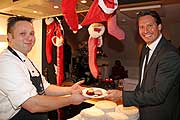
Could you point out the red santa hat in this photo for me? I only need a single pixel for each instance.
(108, 6)
(104, 10)
(95, 14)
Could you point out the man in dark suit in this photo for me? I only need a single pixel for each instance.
(158, 92)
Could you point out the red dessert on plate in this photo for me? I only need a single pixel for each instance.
(90, 91)
(98, 92)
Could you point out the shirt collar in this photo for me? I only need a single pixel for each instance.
(153, 45)
(20, 54)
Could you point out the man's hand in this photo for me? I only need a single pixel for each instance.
(77, 98)
(77, 88)
(114, 95)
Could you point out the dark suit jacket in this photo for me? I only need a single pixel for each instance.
(159, 94)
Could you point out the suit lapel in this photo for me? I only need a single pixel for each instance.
(154, 55)
(152, 59)
(141, 64)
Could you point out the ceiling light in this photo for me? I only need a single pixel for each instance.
(34, 11)
(83, 1)
(123, 20)
(56, 7)
(140, 8)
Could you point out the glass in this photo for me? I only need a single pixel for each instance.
(121, 85)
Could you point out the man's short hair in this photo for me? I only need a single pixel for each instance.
(154, 14)
(12, 21)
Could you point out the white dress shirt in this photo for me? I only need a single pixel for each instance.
(15, 84)
(152, 47)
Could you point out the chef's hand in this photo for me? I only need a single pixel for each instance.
(77, 98)
(114, 95)
(77, 88)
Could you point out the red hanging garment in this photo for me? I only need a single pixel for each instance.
(96, 31)
(92, 48)
(69, 12)
(60, 57)
(50, 28)
(114, 29)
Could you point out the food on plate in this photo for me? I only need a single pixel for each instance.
(90, 91)
(98, 92)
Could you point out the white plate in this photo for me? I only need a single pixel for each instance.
(94, 96)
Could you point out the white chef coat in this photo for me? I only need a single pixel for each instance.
(15, 84)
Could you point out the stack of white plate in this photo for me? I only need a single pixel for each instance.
(132, 112)
(108, 110)
(92, 113)
(106, 106)
(116, 116)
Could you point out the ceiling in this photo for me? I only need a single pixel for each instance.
(44, 8)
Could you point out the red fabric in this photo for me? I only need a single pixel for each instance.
(109, 3)
(49, 35)
(69, 12)
(97, 29)
(92, 49)
(95, 14)
(54, 29)
(60, 63)
(113, 28)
